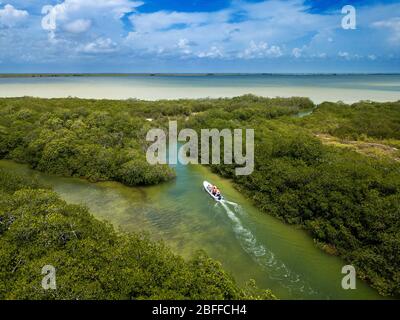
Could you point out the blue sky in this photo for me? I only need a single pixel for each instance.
(198, 36)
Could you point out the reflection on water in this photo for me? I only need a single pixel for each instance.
(250, 244)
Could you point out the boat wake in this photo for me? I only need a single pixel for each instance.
(237, 207)
(276, 269)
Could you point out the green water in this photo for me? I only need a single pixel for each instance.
(348, 88)
(250, 244)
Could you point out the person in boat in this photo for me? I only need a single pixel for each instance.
(214, 190)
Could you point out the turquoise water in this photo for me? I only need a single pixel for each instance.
(347, 88)
(249, 243)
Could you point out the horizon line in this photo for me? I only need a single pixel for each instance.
(185, 73)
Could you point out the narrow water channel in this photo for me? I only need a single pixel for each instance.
(249, 243)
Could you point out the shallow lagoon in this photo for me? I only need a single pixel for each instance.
(347, 88)
(250, 244)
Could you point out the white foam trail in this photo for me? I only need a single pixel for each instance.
(277, 270)
(238, 208)
(230, 202)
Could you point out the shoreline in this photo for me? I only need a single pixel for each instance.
(167, 74)
(163, 94)
(349, 88)
(20, 117)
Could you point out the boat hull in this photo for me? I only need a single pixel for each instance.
(206, 185)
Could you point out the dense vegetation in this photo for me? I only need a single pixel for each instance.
(93, 261)
(348, 201)
(361, 120)
(71, 139)
(105, 140)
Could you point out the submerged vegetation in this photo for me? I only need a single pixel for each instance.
(349, 200)
(92, 260)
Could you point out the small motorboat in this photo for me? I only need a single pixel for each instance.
(208, 187)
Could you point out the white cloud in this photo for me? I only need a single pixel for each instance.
(260, 50)
(267, 22)
(100, 45)
(297, 52)
(78, 26)
(213, 52)
(268, 29)
(319, 55)
(10, 17)
(183, 43)
(185, 46)
(74, 15)
(305, 52)
(349, 56)
(163, 20)
(394, 27)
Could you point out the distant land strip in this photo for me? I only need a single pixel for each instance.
(54, 75)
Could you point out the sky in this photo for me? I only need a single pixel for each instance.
(250, 36)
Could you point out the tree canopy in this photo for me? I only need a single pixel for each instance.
(348, 200)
